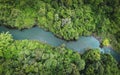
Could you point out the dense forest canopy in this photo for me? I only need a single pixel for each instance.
(25, 57)
(67, 19)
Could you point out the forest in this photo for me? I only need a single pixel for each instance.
(68, 20)
(25, 57)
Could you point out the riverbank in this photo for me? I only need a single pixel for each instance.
(64, 21)
(100, 39)
(82, 45)
(33, 57)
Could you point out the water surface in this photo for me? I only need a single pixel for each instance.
(36, 33)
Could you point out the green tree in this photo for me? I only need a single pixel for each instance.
(92, 55)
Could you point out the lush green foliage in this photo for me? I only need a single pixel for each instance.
(105, 42)
(67, 19)
(99, 64)
(32, 57)
(25, 57)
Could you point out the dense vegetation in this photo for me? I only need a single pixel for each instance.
(25, 57)
(67, 19)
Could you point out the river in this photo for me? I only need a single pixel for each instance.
(81, 45)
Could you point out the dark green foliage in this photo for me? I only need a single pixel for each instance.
(92, 55)
(109, 65)
(99, 64)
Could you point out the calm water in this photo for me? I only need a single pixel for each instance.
(82, 44)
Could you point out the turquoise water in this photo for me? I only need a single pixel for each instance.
(36, 33)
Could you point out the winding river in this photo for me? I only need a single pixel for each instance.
(81, 45)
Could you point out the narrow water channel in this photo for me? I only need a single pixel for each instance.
(36, 33)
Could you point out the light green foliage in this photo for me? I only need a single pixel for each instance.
(83, 18)
(26, 57)
(5, 40)
(33, 57)
(50, 15)
(106, 42)
(22, 19)
(23, 15)
(42, 21)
